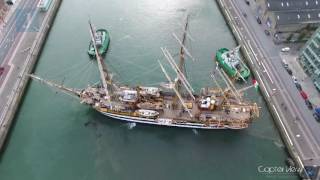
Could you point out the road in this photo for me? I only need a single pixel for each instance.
(16, 25)
(300, 126)
(16, 52)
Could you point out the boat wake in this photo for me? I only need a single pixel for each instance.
(195, 132)
(279, 144)
(131, 125)
(124, 37)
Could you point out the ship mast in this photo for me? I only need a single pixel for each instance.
(104, 75)
(182, 51)
(181, 65)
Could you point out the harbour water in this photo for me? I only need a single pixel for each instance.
(56, 137)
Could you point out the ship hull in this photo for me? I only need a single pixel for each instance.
(105, 44)
(154, 122)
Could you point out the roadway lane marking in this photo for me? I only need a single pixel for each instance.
(14, 54)
(234, 28)
(239, 35)
(248, 54)
(301, 164)
(18, 15)
(267, 72)
(263, 84)
(284, 128)
(253, 52)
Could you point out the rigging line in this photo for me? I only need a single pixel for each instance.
(73, 66)
(90, 74)
(144, 73)
(83, 75)
(176, 68)
(115, 72)
(79, 72)
(120, 61)
(65, 70)
(175, 90)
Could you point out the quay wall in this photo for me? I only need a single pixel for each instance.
(291, 149)
(31, 60)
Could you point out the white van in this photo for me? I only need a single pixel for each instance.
(285, 49)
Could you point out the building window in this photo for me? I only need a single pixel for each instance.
(282, 4)
(298, 16)
(268, 5)
(288, 4)
(307, 3)
(309, 16)
(278, 17)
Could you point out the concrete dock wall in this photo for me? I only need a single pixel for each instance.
(290, 148)
(34, 53)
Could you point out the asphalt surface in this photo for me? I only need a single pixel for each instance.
(14, 61)
(16, 26)
(301, 126)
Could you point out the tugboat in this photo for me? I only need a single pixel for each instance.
(102, 40)
(232, 64)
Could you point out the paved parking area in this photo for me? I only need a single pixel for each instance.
(305, 81)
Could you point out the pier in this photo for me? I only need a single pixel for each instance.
(20, 60)
(297, 127)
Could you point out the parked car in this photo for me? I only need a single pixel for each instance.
(286, 66)
(295, 80)
(284, 63)
(298, 86)
(1, 70)
(247, 2)
(10, 2)
(285, 49)
(267, 32)
(244, 14)
(316, 114)
(258, 20)
(309, 104)
(304, 95)
(289, 71)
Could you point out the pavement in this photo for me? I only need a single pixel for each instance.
(15, 25)
(305, 81)
(297, 122)
(19, 37)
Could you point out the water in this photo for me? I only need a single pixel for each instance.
(55, 137)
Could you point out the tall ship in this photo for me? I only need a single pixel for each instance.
(174, 104)
(101, 40)
(232, 64)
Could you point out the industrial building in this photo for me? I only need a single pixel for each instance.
(289, 20)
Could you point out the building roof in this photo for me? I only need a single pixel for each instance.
(297, 17)
(292, 5)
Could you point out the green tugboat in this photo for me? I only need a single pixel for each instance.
(232, 64)
(102, 40)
